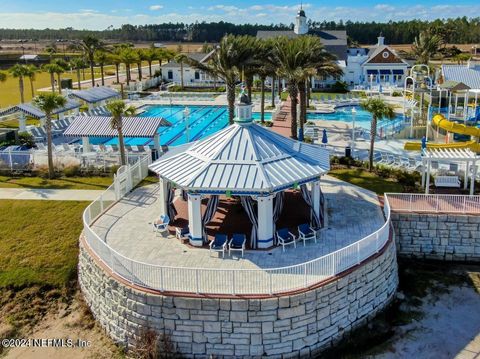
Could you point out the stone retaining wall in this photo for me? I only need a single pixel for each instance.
(297, 325)
(437, 236)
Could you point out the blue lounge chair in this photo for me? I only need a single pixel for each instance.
(161, 224)
(182, 233)
(237, 243)
(305, 233)
(285, 238)
(219, 244)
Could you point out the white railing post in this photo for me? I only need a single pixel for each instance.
(305, 274)
(233, 282)
(376, 242)
(162, 284)
(358, 252)
(271, 282)
(464, 205)
(197, 281)
(411, 200)
(437, 203)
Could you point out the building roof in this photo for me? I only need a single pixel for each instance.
(375, 56)
(245, 158)
(335, 41)
(100, 126)
(469, 76)
(29, 57)
(450, 154)
(31, 110)
(95, 94)
(197, 56)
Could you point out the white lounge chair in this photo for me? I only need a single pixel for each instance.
(285, 238)
(305, 233)
(237, 243)
(219, 244)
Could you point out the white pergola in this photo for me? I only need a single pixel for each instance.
(452, 155)
(245, 159)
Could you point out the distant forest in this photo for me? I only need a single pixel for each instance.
(460, 30)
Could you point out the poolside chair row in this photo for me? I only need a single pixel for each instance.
(305, 233)
(221, 243)
(391, 159)
(97, 111)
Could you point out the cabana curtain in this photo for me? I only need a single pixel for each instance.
(172, 212)
(278, 201)
(314, 220)
(209, 213)
(247, 204)
(184, 195)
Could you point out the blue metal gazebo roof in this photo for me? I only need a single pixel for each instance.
(31, 110)
(95, 94)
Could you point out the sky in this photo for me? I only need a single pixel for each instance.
(100, 14)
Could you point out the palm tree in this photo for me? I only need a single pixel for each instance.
(128, 57)
(119, 109)
(101, 58)
(48, 103)
(425, 46)
(52, 69)
(150, 55)
(181, 58)
(140, 58)
(59, 70)
(379, 109)
(230, 55)
(90, 44)
(78, 63)
(19, 71)
(265, 66)
(117, 61)
(31, 74)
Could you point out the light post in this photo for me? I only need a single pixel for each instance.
(186, 114)
(354, 114)
(371, 84)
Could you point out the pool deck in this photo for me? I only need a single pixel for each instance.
(353, 213)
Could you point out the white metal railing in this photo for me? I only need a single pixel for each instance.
(433, 203)
(221, 281)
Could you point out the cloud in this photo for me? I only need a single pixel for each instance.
(156, 7)
(261, 13)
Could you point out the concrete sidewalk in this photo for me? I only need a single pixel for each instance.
(50, 194)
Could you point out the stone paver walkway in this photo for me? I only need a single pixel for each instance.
(50, 194)
(353, 213)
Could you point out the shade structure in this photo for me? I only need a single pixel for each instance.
(100, 126)
(31, 110)
(244, 158)
(95, 94)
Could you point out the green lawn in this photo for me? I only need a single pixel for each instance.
(39, 242)
(367, 180)
(58, 183)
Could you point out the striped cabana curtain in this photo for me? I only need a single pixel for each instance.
(184, 195)
(172, 212)
(209, 213)
(314, 220)
(247, 204)
(322, 209)
(277, 211)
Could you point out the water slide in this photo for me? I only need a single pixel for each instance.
(441, 122)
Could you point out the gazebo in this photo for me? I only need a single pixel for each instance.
(450, 156)
(245, 160)
(100, 126)
(95, 95)
(29, 109)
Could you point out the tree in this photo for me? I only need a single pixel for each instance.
(425, 46)
(20, 71)
(52, 69)
(140, 58)
(48, 103)
(31, 72)
(90, 44)
(225, 63)
(116, 60)
(128, 57)
(150, 55)
(119, 109)
(59, 70)
(181, 59)
(265, 67)
(3, 76)
(101, 58)
(379, 109)
(78, 63)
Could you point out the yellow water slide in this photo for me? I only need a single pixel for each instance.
(441, 122)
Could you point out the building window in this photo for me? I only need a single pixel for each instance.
(170, 75)
(197, 75)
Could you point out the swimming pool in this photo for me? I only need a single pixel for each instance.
(206, 120)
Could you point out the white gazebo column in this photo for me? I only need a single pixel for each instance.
(472, 179)
(265, 221)
(22, 123)
(427, 184)
(466, 176)
(316, 198)
(195, 219)
(156, 143)
(86, 144)
(163, 197)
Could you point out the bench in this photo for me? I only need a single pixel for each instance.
(447, 181)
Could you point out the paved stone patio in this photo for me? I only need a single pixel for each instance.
(353, 213)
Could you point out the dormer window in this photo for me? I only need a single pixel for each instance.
(386, 54)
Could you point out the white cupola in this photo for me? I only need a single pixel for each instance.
(244, 109)
(301, 26)
(381, 40)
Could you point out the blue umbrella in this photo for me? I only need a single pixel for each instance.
(424, 143)
(324, 137)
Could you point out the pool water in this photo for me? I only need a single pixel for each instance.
(206, 120)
